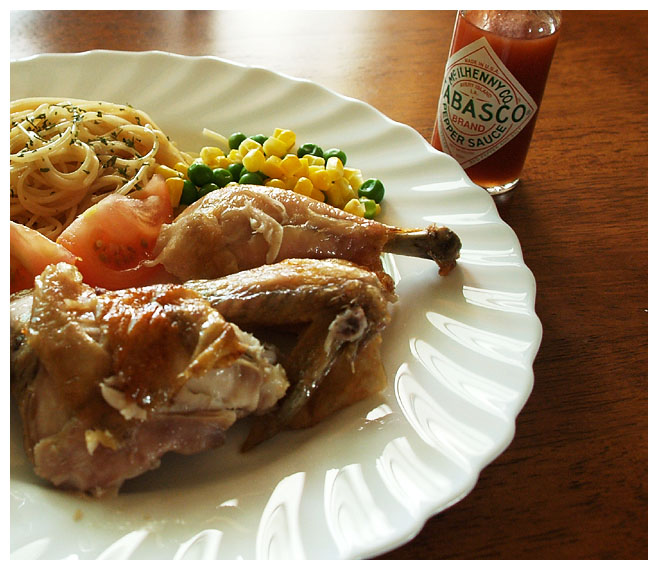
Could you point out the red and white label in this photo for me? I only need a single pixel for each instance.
(482, 105)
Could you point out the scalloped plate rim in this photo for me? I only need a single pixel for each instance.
(533, 321)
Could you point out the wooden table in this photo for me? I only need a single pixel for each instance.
(573, 484)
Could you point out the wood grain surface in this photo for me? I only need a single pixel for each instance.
(574, 482)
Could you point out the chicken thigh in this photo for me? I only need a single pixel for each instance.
(241, 227)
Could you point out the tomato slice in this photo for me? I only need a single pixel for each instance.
(29, 254)
(114, 238)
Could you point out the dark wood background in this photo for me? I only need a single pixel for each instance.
(573, 484)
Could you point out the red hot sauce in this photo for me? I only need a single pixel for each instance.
(493, 86)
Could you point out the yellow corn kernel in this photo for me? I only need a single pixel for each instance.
(303, 186)
(321, 178)
(290, 182)
(318, 194)
(210, 154)
(248, 144)
(286, 136)
(234, 156)
(175, 188)
(272, 167)
(303, 171)
(222, 162)
(349, 171)
(354, 177)
(291, 164)
(254, 160)
(275, 147)
(333, 175)
(335, 196)
(166, 171)
(378, 209)
(276, 183)
(355, 207)
(346, 190)
(314, 160)
(334, 164)
(181, 167)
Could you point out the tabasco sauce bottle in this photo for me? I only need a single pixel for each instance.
(492, 88)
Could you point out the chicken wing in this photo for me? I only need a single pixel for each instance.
(339, 307)
(107, 382)
(241, 227)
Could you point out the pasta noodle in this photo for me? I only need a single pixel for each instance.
(66, 154)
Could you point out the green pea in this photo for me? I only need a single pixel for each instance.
(190, 193)
(336, 152)
(260, 139)
(251, 178)
(373, 189)
(235, 170)
(310, 148)
(371, 207)
(207, 188)
(221, 177)
(235, 139)
(199, 173)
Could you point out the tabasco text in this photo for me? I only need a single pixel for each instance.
(492, 88)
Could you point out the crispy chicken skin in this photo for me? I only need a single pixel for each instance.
(293, 290)
(240, 227)
(339, 308)
(107, 382)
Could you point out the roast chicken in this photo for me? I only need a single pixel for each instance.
(337, 306)
(242, 227)
(109, 381)
(275, 318)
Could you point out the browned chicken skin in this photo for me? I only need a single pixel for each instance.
(242, 227)
(107, 382)
(341, 307)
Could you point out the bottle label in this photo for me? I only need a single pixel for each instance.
(482, 106)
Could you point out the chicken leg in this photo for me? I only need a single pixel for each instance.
(241, 227)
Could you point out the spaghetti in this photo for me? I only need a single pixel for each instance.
(65, 155)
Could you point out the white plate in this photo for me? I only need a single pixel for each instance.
(458, 355)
